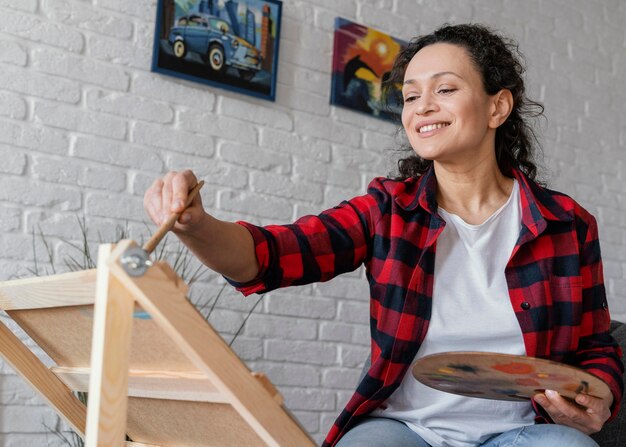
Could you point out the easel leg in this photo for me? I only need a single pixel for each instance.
(36, 374)
(108, 383)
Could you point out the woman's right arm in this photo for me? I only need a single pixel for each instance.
(225, 247)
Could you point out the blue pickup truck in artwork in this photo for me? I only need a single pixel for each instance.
(212, 39)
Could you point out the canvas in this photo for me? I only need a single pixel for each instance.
(221, 43)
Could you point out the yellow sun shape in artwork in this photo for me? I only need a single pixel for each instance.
(376, 49)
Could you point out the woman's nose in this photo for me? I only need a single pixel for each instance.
(425, 104)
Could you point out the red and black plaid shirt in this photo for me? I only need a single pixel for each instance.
(554, 277)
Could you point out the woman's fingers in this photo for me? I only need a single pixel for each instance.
(169, 195)
(166, 195)
(595, 405)
(182, 183)
(588, 419)
(152, 201)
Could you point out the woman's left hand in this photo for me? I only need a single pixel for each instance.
(588, 416)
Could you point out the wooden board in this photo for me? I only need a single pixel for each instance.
(66, 289)
(180, 385)
(189, 424)
(504, 376)
(172, 385)
(151, 348)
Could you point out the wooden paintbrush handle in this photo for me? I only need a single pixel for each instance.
(169, 223)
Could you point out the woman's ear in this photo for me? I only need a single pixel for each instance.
(502, 105)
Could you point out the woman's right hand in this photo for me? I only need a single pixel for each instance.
(226, 247)
(168, 195)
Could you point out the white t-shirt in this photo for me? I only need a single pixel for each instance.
(471, 311)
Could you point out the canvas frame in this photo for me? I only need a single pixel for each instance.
(133, 373)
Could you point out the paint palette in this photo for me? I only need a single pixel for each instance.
(504, 376)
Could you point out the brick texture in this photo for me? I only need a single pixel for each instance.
(85, 127)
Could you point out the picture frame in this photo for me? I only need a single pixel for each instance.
(227, 44)
(362, 59)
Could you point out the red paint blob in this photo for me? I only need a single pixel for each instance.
(514, 368)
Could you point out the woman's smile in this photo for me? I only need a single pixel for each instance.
(426, 130)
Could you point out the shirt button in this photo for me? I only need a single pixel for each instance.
(525, 305)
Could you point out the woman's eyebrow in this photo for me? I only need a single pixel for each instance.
(436, 75)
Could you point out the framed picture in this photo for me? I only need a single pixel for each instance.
(222, 43)
(362, 60)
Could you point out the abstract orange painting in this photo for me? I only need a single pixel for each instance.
(362, 61)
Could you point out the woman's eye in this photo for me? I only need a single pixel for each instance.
(410, 99)
(446, 91)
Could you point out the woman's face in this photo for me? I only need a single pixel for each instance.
(446, 113)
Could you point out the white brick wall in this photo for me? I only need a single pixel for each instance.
(85, 127)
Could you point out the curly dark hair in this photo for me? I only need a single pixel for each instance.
(499, 62)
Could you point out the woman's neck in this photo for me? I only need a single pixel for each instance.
(472, 192)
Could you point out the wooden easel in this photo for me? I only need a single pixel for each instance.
(154, 368)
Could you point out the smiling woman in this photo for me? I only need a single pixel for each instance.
(463, 252)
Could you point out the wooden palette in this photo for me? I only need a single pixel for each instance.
(504, 376)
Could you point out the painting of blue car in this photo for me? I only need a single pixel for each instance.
(224, 43)
(212, 39)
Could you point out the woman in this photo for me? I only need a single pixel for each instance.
(463, 252)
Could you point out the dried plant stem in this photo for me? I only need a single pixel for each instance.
(243, 323)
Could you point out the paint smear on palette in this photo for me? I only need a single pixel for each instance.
(554, 377)
(527, 381)
(517, 368)
(456, 387)
(465, 368)
(443, 378)
(581, 387)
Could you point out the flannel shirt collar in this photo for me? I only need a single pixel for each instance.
(419, 191)
(538, 207)
(538, 204)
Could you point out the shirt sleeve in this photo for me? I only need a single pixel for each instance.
(313, 248)
(598, 352)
